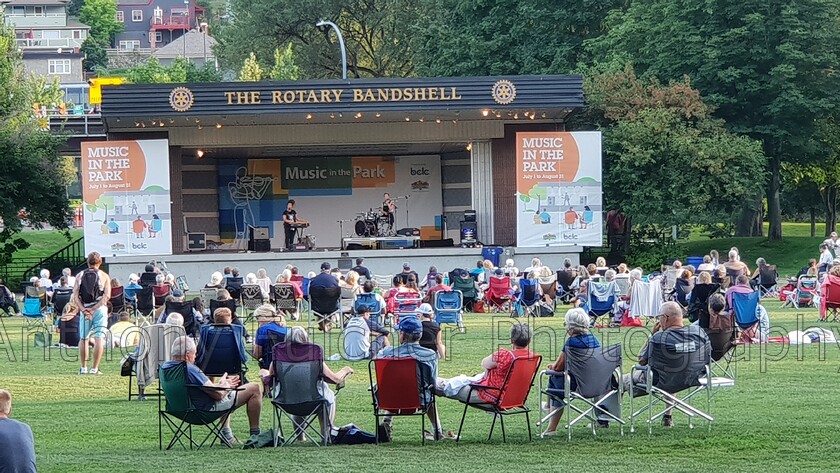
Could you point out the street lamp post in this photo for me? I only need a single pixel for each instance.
(204, 30)
(184, 36)
(340, 45)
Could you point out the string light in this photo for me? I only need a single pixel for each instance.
(309, 116)
(199, 153)
(421, 119)
(162, 124)
(437, 120)
(378, 114)
(469, 146)
(516, 116)
(218, 125)
(332, 116)
(484, 113)
(358, 115)
(407, 119)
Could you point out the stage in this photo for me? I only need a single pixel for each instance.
(197, 267)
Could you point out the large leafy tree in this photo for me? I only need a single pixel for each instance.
(101, 16)
(35, 175)
(667, 161)
(477, 37)
(181, 70)
(376, 34)
(768, 66)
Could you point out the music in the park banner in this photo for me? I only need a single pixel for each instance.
(559, 199)
(125, 189)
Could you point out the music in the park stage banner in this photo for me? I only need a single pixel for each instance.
(125, 193)
(559, 199)
(254, 192)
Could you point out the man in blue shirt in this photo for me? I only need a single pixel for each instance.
(325, 279)
(361, 270)
(411, 330)
(16, 439)
(272, 329)
(250, 395)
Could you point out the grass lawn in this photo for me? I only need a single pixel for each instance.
(781, 416)
(45, 242)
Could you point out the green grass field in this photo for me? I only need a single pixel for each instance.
(781, 416)
(45, 242)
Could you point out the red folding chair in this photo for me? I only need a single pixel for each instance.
(830, 303)
(498, 294)
(396, 391)
(405, 305)
(512, 395)
(160, 292)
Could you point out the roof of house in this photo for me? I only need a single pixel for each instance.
(195, 46)
(35, 2)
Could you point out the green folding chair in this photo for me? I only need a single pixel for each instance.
(180, 414)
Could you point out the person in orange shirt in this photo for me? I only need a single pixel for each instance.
(138, 226)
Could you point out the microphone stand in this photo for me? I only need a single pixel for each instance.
(406, 197)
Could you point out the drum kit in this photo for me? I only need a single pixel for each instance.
(374, 224)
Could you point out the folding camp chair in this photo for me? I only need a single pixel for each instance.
(682, 289)
(592, 378)
(229, 304)
(33, 314)
(175, 388)
(296, 394)
(731, 277)
(669, 280)
(698, 307)
(283, 295)
(745, 307)
(207, 294)
(669, 371)
(723, 366)
(622, 282)
(324, 304)
(148, 279)
(467, 288)
(449, 308)
(830, 301)
(345, 302)
(233, 286)
(549, 289)
(117, 299)
(145, 305)
(61, 297)
(305, 304)
(371, 302)
(601, 299)
(383, 282)
(767, 279)
(528, 299)
(405, 305)
(645, 300)
(565, 278)
(160, 293)
(186, 310)
(221, 350)
(396, 391)
(499, 294)
(511, 397)
(806, 291)
(250, 297)
(152, 351)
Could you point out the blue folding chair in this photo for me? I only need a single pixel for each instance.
(449, 308)
(601, 299)
(33, 315)
(527, 299)
(746, 309)
(221, 350)
(370, 301)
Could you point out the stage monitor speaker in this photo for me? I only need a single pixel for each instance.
(345, 264)
(468, 233)
(446, 243)
(259, 246)
(469, 215)
(408, 232)
(196, 241)
(259, 233)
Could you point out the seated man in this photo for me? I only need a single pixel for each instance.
(496, 367)
(16, 438)
(669, 332)
(272, 327)
(183, 350)
(358, 333)
(411, 330)
(438, 286)
(124, 333)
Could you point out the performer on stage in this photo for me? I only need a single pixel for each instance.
(388, 209)
(290, 217)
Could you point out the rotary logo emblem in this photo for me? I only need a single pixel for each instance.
(504, 92)
(181, 99)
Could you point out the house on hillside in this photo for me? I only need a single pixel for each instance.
(153, 24)
(49, 41)
(196, 46)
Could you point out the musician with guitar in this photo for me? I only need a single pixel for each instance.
(291, 222)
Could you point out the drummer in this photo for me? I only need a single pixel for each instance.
(388, 208)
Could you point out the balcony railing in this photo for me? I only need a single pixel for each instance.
(171, 21)
(50, 43)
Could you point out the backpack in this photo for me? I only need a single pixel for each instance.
(89, 290)
(352, 435)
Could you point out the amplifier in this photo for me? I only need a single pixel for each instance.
(259, 233)
(408, 232)
(196, 241)
(394, 243)
(259, 246)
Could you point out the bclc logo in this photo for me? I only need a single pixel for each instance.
(420, 171)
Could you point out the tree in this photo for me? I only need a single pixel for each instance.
(251, 70)
(101, 16)
(661, 145)
(376, 33)
(34, 173)
(768, 67)
(477, 37)
(181, 70)
(96, 58)
(285, 67)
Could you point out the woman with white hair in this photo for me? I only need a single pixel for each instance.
(510, 268)
(297, 349)
(264, 281)
(215, 281)
(577, 329)
(46, 282)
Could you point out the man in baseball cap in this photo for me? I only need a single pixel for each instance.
(411, 330)
(325, 280)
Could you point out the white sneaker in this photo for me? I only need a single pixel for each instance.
(94, 371)
(83, 371)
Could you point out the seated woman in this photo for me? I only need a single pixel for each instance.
(601, 265)
(7, 300)
(351, 280)
(215, 281)
(577, 329)
(765, 275)
(251, 280)
(68, 326)
(298, 349)
(580, 286)
(432, 336)
(272, 326)
(510, 268)
(813, 269)
(624, 300)
(286, 278)
(429, 280)
(263, 280)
